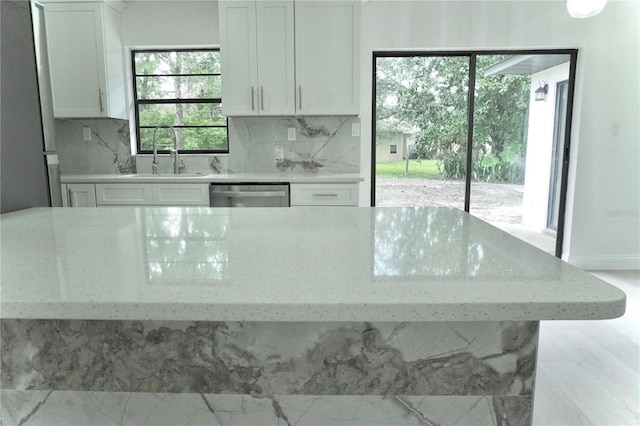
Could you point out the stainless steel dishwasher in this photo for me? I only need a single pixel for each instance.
(249, 195)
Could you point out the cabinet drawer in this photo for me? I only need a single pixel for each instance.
(179, 194)
(130, 194)
(345, 194)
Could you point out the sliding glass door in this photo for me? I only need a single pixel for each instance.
(497, 151)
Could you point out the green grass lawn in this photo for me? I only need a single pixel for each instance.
(425, 169)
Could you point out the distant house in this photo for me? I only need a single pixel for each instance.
(393, 141)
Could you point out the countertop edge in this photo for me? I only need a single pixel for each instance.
(213, 178)
(318, 312)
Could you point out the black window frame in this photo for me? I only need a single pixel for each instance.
(137, 102)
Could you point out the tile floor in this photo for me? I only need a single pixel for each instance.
(589, 371)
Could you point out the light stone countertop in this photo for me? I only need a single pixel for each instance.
(284, 264)
(213, 178)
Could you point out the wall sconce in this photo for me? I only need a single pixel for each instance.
(585, 8)
(541, 92)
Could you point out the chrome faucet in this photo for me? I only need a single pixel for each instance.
(155, 162)
(178, 164)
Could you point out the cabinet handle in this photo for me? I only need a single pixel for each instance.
(70, 197)
(252, 100)
(324, 195)
(262, 98)
(300, 96)
(100, 100)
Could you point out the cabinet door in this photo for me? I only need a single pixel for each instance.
(79, 195)
(276, 62)
(76, 53)
(126, 194)
(238, 57)
(180, 194)
(327, 57)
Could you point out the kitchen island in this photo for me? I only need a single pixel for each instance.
(276, 316)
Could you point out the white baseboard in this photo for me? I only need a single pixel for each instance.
(593, 263)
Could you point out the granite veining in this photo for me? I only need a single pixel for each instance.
(295, 264)
(270, 358)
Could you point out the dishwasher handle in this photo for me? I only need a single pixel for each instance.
(249, 194)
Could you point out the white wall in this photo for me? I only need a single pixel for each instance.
(540, 147)
(171, 23)
(602, 220)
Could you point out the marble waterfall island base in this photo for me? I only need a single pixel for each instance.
(277, 314)
(415, 369)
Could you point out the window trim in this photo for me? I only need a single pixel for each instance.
(137, 102)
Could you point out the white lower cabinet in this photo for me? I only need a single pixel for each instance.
(194, 194)
(78, 195)
(180, 194)
(126, 194)
(320, 194)
(135, 194)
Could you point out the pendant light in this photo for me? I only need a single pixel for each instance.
(585, 8)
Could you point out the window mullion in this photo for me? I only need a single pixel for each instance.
(200, 134)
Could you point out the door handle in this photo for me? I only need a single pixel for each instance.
(247, 194)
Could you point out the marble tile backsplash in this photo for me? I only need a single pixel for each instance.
(257, 145)
(322, 144)
(108, 151)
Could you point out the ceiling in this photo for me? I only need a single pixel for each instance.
(527, 64)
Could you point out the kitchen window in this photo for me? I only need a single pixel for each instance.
(393, 148)
(179, 90)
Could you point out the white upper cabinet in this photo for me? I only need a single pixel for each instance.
(86, 59)
(286, 57)
(238, 57)
(276, 59)
(327, 57)
(257, 54)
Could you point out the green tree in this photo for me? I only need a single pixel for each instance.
(431, 93)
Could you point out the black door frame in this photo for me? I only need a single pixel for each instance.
(472, 54)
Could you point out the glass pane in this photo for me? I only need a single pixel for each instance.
(513, 138)
(195, 87)
(192, 62)
(204, 138)
(499, 142)
(421, 110)
(208, 114)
